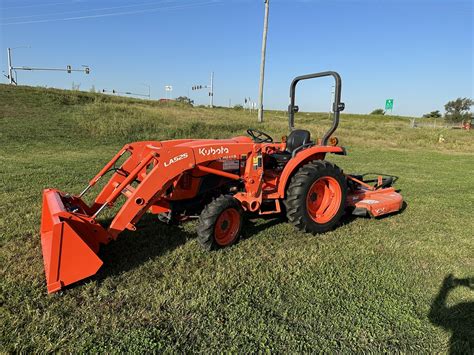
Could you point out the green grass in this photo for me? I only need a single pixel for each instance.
(368, 286)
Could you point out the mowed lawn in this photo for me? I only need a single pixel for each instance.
(368, 286)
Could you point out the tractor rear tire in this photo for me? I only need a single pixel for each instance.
(316, 197)
(220, 223)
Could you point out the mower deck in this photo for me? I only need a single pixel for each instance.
(375, 203)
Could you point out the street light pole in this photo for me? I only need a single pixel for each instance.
(10, 67)
(262, 65)
(11, 80)
(211, 90)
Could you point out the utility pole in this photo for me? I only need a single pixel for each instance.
(211, 92)
(331, 101)
(262, 65)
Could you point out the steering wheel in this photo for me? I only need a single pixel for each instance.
(259, 136)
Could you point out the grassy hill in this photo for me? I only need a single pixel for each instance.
(368, 286)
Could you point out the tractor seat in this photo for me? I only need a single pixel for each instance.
(296, 139)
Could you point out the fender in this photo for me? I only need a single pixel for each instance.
(302, 157)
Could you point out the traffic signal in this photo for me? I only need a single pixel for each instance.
(87, 70)
(69, 69)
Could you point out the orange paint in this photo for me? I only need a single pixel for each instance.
(157, 174)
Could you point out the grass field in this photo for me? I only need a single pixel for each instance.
(368, 286)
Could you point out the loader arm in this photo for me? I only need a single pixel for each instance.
(152, 167)
(167, 160)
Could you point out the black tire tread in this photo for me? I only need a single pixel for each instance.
(296, 195)
(208, 218)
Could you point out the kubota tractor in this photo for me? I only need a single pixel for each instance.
(217, 180)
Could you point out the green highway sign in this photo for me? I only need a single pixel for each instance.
(389, 104)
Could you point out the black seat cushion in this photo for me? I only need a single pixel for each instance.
(296, 139)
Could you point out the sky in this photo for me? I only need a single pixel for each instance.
(417, 52)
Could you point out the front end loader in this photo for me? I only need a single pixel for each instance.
(217, 181)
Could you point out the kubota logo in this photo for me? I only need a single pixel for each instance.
(212, 151)
(175, 159)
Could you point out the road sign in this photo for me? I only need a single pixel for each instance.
(168, 89)
(389, 104)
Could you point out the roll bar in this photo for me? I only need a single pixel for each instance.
(337, 106)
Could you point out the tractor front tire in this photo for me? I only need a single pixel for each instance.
(316, 197)
(220, 223)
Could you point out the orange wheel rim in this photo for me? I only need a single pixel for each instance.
(227, 226)
(323, 199)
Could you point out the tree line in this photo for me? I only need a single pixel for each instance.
(456, 111)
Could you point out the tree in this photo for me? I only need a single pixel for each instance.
(458, 110)
(433, 114)
(378, 111)
(185, 100)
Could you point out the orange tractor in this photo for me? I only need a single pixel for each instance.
(216, 180)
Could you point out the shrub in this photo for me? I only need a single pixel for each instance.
(378, 111)
(433, 114)
(185, 100)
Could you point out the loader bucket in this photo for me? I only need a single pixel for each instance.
(70, 240)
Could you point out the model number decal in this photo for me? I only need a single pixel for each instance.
(176, 159)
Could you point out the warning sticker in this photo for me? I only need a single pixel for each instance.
(230, 165)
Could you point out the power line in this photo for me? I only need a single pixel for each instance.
(215, 2)
(40, 5)
(85, 10)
